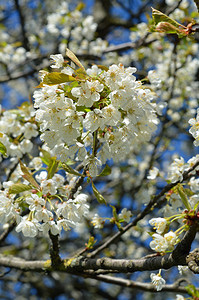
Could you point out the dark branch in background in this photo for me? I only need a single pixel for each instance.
(22, 22)
(197, 4)
(6, 232)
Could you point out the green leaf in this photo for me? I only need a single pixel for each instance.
(80, 75)
(83, 108)
(163, 23)
(46, 158)
(56, 78)
(192, 291)
(74, 58)
(91, 242)
(3, 149)
(158, 17)
(28, 176)
(114, 212)
(97, 194)
(70, 170)
(80, 6)
(52, 167)
(106, 171)
(18, 188)
(183, 196)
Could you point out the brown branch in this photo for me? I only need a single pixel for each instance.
(82, 264)
(21, 264)
(18, 76)
(22, 22)
(175, 287)
(54, 250)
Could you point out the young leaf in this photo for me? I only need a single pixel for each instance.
(3, 149)
(46, 158)
(18, 188)
(52, 167)
(163, 23)
(183, 196)
(90, 243)
(114, 212)
(168, 28)
(70, 170)
(74, 58)
(97, 194)
(106, 171)
(158, 17)
(28, 176)
(56, 78)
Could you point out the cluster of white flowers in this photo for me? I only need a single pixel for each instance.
(73, 25)
(17, 130)
(163, 243)
(194, 130)
(109, 103)
(12, 55)
(178, 167)
(46, 214)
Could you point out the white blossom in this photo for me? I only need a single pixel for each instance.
(159, 224)
(125, 215)
(58, 60)
(157, 281)
(28, 227)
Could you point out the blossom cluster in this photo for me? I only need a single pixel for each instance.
(194, 130)
(48, 211)
(162, 240)
(17, 128)
(104, 115)
(164, 243)
(179, 166)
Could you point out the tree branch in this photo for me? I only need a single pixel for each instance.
(81, 264)
(22, 22)
(141, 285)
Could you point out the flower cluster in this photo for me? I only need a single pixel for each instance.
(106, 114)
(73, 25)
(194, 130)
(48, 211)
(17, 129)
(178, 167)
(163, 243)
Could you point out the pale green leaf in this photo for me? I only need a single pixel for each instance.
(18, 188)
(97, 194)
(3, 149)
(70, 170)
(106, 171)
(74, 58)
